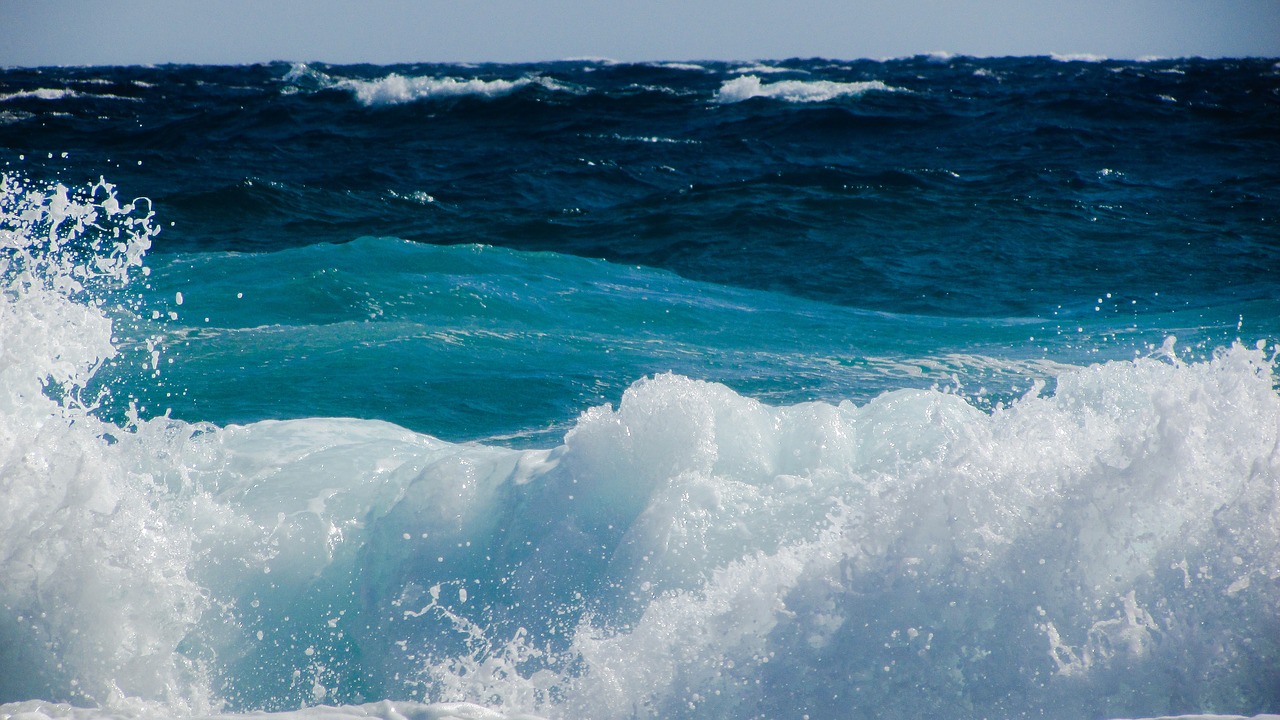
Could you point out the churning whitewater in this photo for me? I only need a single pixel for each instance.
(247, 468)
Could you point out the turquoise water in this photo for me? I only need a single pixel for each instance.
(474, 342)
(932, 386)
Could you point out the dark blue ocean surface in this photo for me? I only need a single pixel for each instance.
(942, 385)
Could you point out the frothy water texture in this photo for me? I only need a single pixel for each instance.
(750, 86)
(1105, 549)
(395, 89)
(594, 390)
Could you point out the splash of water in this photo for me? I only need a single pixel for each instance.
(1108, 549)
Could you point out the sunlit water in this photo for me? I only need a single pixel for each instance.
(933, 387)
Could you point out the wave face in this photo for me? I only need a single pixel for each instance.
(579, 390)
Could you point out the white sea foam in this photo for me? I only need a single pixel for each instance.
(759, 69)
(60, 94)
(383, 710)
(420, 197)
(648, 139)
(95, 594)
(41, 94)
(301, 72)
(8, 117)
(1078, 57)
(692, 552)
(593, 60)
(750, 86)
(394, 89)
(681, 66)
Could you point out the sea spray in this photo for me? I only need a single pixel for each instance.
(95, 597)
(849, 407)
(691, 551)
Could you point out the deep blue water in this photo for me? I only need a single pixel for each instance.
(485, 253)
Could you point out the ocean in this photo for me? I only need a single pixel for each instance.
(926, 387)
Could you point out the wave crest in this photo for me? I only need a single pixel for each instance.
(396, 89)
(750, 86)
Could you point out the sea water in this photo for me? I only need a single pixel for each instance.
(938, 386)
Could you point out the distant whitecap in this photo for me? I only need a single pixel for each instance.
(750, 86)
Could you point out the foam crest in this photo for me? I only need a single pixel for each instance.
(52, 94)
(395, 89)
(751, 86)
(40, 94)
(760, 69)
(692, 67)
(819, 558)
(948, 538)
(1078, 57)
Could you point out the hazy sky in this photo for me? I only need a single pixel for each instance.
(93, 32)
